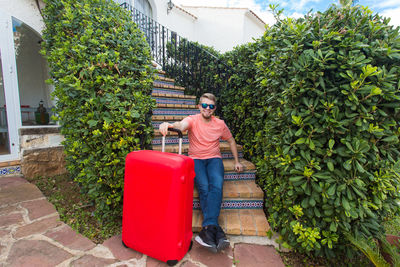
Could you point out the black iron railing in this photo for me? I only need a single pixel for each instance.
(192, 65)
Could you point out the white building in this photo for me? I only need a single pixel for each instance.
(220, 27)
(224, 28)
(23, 70)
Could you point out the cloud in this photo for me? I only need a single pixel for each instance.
(300, 5)
(296, 15)
(393, 14)
(385, 4)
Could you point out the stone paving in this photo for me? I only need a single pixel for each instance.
(31, 234)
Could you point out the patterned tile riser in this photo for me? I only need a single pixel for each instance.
(175, 101)
(235, 204)
(164, 82)
(234, 176)
(10, 170)
(175, 112)
(167, 91)
(160, 75)
(169, 141)
(156, 124)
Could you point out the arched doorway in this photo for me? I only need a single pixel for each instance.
(23, 72)
(9, 100)
(32, 72)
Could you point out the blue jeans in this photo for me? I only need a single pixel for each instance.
(209, 181)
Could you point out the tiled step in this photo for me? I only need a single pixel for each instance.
(164, 81)
(171, 145)
(166, 90)
(162, 78)
(176, 106)
(235, 204)
(232, 175)
(168, 118)
(156, 95)
(172, 141)
(251, 222)
(159, 84)
(156, 120)
(246, 189)
(175, 111)
(174, 101)
(229, 165)
(161, 73)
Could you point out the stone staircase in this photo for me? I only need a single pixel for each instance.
(242, 204)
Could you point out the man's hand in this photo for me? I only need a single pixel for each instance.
(164, 128)
(238, 167)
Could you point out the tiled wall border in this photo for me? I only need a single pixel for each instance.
(13, 170)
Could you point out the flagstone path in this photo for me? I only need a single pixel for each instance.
(31, 234)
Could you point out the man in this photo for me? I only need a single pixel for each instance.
(204, 132)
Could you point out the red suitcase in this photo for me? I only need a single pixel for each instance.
(158, 202)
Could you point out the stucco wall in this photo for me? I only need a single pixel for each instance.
(252, 28)
(224, 28)
(24, 10)
(175, 20)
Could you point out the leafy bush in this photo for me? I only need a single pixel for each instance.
(322, 115)
(100, 65)
(240, 98)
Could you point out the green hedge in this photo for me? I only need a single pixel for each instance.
(101, 69)
(321, 120)
(240, 98)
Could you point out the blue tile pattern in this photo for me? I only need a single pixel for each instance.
(179, 101)
(164, 82)
(167, 91)
(10, 170)
(231, 176)
(235, 204)
(175, 112)
(170, 141)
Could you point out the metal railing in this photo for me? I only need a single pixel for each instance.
(191, 65)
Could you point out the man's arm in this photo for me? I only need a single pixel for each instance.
(232, 144)
(180, 125)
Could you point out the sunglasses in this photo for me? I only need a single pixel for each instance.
(204, 105)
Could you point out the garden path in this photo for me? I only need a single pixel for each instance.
(31, 234)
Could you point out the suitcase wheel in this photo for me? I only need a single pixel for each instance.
(172, 262)
(190, 247)
(124, 244)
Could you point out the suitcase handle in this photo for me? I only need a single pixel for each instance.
(180, 135)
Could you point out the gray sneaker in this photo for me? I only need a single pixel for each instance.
(206, 238)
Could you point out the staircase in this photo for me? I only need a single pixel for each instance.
(242, 204)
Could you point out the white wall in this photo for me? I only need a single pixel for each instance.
(24, 10)
(175, 20)
(252, 28)
(224, 28)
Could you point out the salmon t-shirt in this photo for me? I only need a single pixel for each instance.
(204, 136)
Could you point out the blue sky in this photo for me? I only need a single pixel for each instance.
(297, 8)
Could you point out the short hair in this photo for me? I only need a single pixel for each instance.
(209, 96)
